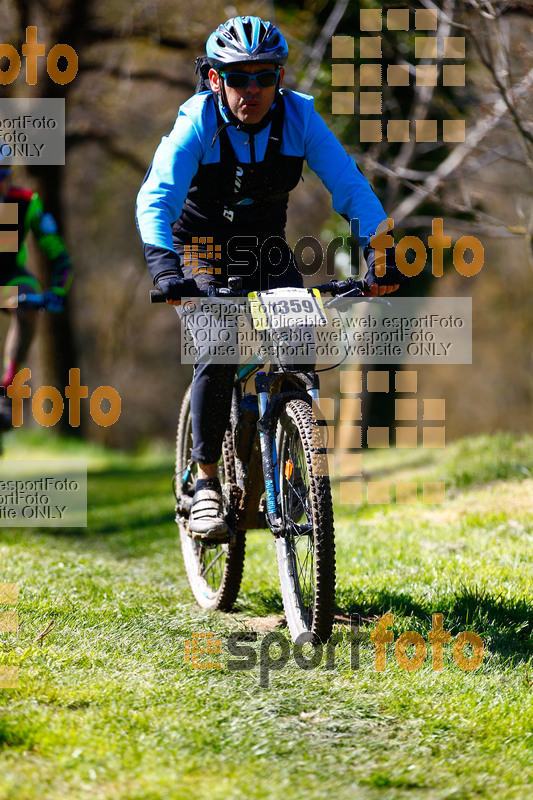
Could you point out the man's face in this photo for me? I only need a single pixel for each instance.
(251, 104)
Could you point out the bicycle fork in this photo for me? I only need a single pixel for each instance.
(267, 441)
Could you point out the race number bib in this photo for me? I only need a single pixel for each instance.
(286, 308)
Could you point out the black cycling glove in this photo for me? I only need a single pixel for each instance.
(173, 287)
(392, 273)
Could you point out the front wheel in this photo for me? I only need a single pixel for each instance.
(214, 571)
(306, 551)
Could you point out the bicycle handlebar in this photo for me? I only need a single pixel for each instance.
(31, 300)
(36, 301)
(333, 287)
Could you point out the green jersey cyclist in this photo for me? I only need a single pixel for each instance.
(31, 218)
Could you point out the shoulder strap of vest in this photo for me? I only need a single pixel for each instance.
(227, 153)
(276, 129)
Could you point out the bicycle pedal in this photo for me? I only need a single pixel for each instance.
(211, 540)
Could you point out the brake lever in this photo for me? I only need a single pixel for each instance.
(343, 302)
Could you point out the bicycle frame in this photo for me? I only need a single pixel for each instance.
(269, 410)
(270, 449)
(306, 387)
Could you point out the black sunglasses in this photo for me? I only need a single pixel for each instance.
(241, 80)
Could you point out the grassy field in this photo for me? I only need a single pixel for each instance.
(107, 706)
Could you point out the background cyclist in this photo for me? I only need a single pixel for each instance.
(225, 171)
(13, 272)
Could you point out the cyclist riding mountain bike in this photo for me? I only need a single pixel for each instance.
(224, 173)
(31, 216)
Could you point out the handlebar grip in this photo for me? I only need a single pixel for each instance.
(335, 287)
(339, 287)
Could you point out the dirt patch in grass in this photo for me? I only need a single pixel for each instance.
(265, 624)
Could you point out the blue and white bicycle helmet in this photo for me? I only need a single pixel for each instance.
(246, 39)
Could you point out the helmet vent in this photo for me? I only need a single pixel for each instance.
(247, 26)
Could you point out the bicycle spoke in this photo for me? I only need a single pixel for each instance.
(305, 573)
(213, 561)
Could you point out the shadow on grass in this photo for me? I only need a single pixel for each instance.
(116, 486)
(505, 624)
(130, 513)
(260, 602)
(415, 462)
(132, 526)
(131, 540)
(21, 736)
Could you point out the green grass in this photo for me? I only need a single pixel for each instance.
(108, 708)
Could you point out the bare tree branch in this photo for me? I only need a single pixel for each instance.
(421, 103)
(454, 207)
(494, 229)
(443, 14)
(320, 45)
(490, 61)
(460, 152)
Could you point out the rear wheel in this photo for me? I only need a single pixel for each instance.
(214, 571)
(306, 553)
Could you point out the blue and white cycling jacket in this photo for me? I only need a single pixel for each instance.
(210, 179)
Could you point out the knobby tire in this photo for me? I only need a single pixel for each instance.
(306, 553)
(214, 572)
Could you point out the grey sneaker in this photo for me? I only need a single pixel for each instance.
(206, 520)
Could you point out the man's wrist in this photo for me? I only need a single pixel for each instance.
(391, 276)
(168, 273)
